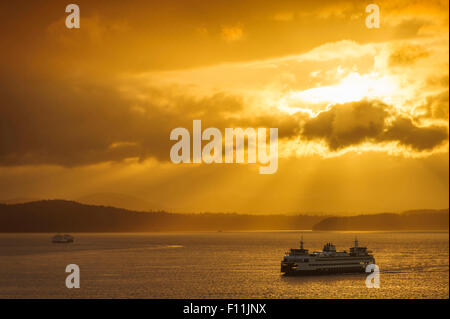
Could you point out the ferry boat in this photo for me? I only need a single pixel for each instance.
(62, 239)
(328, 261)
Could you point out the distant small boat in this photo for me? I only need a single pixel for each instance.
(62, 239)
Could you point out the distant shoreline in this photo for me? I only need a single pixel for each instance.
(58, 216)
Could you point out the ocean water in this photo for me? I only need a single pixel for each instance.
(217, 265)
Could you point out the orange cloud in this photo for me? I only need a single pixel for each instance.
(232, 33)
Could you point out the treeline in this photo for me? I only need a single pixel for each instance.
(69, 216)
(411, 220)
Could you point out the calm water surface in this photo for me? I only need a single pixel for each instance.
(216, 265)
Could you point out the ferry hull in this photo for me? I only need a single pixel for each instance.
(323, 272)
(291, 270)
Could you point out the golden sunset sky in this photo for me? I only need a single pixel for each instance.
(362, 113)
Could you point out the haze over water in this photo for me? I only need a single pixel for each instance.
(216, 265)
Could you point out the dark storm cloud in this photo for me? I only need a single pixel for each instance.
(70, 122)
(61, 123)
(405, 132)
(367, 121)
(347, 124)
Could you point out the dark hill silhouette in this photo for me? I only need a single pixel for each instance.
(410, 220)
(69, 216)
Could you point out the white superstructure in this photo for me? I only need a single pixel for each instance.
(62, 239)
